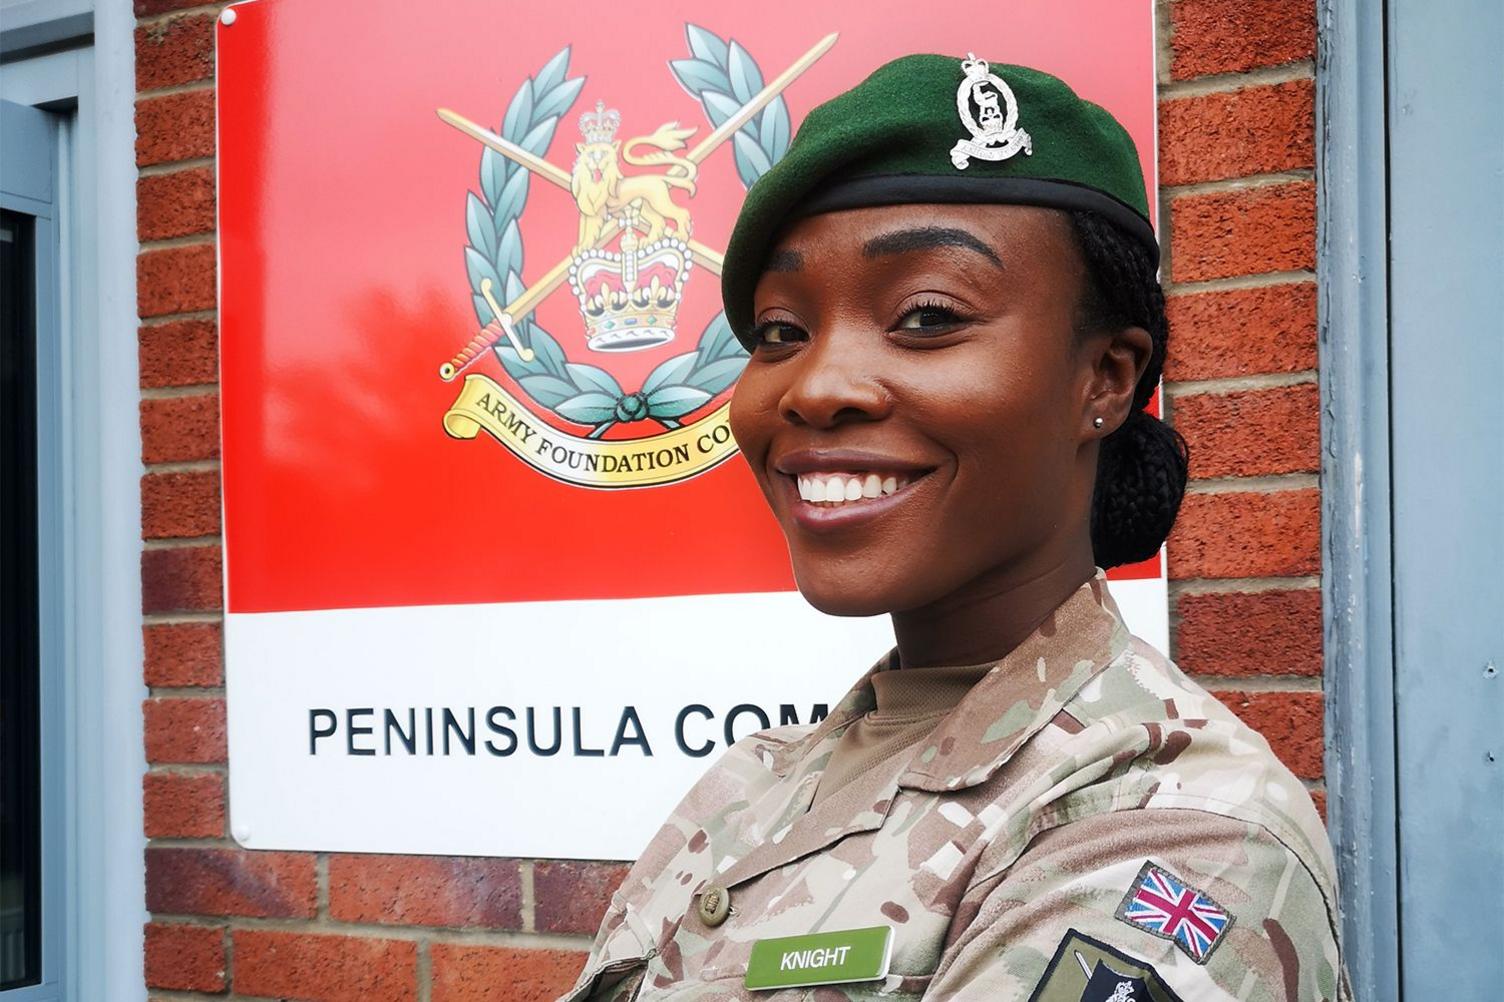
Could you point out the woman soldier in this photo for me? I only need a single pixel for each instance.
(948, 289)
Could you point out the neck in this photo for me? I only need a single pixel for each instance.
(990, 615)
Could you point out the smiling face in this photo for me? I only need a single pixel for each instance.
(919, 407)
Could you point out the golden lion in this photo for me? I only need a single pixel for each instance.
(601, 190)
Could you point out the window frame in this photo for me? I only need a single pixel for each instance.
(29, 187)
(62, 56)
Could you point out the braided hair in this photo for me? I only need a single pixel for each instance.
(1141, 468)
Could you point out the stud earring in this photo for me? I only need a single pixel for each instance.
(1097, 422)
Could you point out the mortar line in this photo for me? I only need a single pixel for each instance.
(185, 691)
(321, 882)
(1247, 182)
(190, 87)
(171, 392)
(184, 466)
(529, 896)
(1223, 385)
(1268, 484)
(207, 239)
(173, 166)
(374, 930)
(425, 971)
(1234, 282)
(163, 319)
(179, 616)
(182, 542)
(1227, 83)
(1241, 586)
(1259, 683)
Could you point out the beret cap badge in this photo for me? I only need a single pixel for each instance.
(995, 134)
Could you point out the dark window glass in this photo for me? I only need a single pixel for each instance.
(20, 750)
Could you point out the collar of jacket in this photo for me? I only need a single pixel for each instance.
(1021, 693)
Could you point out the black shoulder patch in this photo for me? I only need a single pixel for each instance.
(1088, 970)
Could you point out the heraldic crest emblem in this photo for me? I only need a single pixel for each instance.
(995, 134)
(634, 254)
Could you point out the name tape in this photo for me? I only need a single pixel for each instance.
(822, 958)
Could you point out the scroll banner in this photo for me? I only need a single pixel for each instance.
(587, 462)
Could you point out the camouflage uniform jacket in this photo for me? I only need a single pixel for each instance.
(1023, 842)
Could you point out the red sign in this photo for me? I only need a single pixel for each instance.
(391, 186)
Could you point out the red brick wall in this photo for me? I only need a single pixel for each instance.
(1237, 190)
(1238, 198)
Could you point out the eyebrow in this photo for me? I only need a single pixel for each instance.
(785, 260)
(927, 238)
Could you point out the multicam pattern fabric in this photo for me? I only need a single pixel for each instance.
(1029, 812)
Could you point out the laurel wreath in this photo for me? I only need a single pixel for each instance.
(723, 77)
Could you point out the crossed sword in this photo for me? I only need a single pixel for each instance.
(504, 324)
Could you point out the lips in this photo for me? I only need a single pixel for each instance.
(838, 489)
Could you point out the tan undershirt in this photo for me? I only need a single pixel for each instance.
(911, 702)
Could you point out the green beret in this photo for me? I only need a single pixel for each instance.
(928, 129)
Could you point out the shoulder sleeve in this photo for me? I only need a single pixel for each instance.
(1175, 904)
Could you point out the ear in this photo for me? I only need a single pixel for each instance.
(579, 147)
(1118, 359)
(616, 146)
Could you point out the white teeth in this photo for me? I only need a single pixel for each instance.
(842, 488)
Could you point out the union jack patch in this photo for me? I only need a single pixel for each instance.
(1163, 905)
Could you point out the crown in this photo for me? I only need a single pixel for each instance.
(630, 298)
(976, 70)
(599, 126)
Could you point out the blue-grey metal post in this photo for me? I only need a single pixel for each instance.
(1352, 214)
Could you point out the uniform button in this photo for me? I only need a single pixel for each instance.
(715, 905)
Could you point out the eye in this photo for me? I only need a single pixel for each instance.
(929, 318)
(778, 332)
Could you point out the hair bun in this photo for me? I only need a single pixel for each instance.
(1141, 474)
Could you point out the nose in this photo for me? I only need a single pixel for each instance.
(835, 382)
